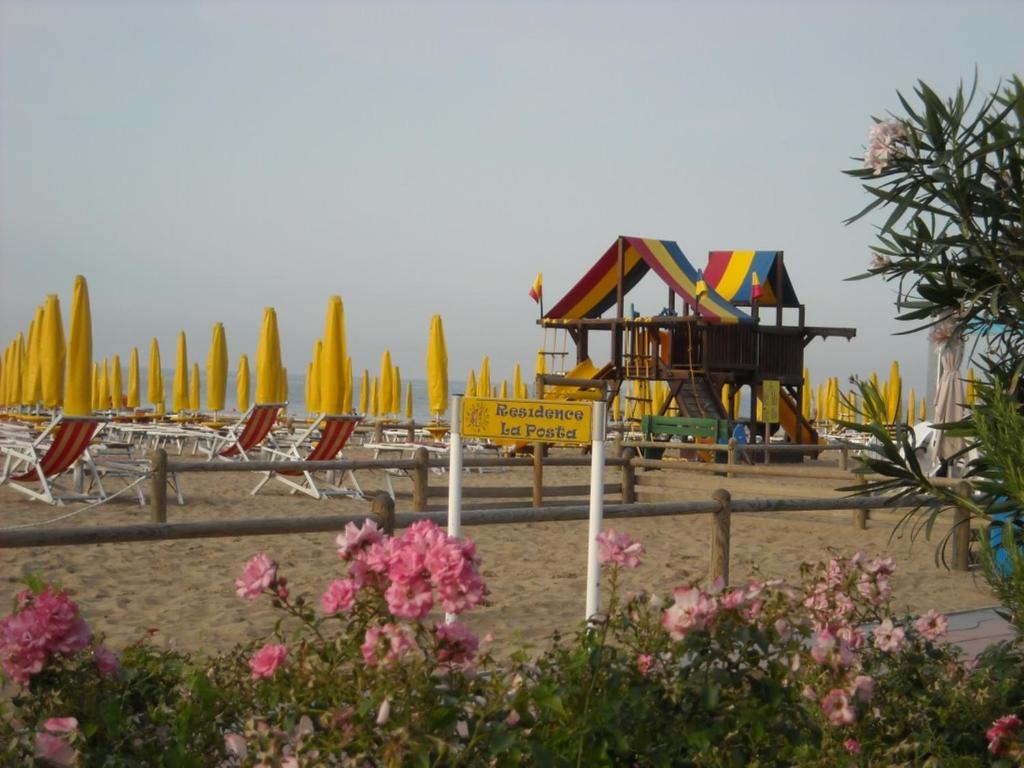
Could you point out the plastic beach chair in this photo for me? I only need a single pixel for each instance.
(61, 445)
(334, 434)
(247, 435)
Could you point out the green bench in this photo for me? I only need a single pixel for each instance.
(664, 428)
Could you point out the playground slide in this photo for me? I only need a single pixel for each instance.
(585, 370)
(790, 417)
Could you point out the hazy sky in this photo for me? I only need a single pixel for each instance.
(199, 161)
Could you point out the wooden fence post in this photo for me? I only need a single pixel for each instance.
(158, 489)
(844, 458)
(860, 516)
(411, 434)
(962, 530)
(420, 479)
(721, 522)
(628, 476)
(730, 455)
(384, 510)
(538, 474)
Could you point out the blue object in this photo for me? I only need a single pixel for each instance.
(740, 434)
(995, 538)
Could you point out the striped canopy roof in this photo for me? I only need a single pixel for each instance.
(732, 272)
(597, 290)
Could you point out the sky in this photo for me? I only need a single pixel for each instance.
(199, 161)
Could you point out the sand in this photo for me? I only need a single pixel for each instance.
(184, 589)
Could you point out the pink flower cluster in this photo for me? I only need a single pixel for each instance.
(692, 610)
(884, 144)
(424, 564)
(455, 643)
(387, 645)
(619, 549)
(42, 625)
(52, 745)
(266, 661)
(258, 575)
(1003, 736)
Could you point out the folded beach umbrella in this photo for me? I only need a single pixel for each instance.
(437, 368)
(364, 392)
(179, 389)
(313, 377)
(375, 398)
(332, 359)
(282, 386)
(33, 371)
(503, 392)
(396, 390)
(104, 387)
(805, 396)
(893, 394)
(242, 384)
(155, 379)
(912, 407)
(217, 369)
(94, 404)
(116, 384)
(346, 404)
(18, 371)
(268, 360)
(922, 414)
(971, 390)
(408, 400)
(471, 384)
(517, 382)
(483, 379)
(193, 389)
(133, 399)
(386, 395)
(78, 385)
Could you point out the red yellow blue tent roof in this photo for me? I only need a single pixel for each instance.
(732, 275)
(597, 290)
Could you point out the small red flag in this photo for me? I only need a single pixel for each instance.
(755, 287)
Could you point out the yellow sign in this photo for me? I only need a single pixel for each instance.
(532, 421)
(770, 400)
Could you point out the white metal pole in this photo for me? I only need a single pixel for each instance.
(596, 508)
(455, 469)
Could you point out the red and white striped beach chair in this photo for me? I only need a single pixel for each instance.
(334, 434)
(54, 452)
(247, 435)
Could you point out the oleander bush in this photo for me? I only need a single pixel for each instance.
(373, 674)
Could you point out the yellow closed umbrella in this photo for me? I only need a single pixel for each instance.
(923, 413)
(726, 398)
(193, 389)
(33, 371)
(396, 389)
(805, 396)
(217, 369)
(332, 362)
(155, 379)
(971, 390)
(179, 389)
(912, 407)
(503, 393)
(364, 392)
(268, 360)
(386, 386)
(894, 394)
(437, 368)
(313, 379)
(78, 385)
(282, 386)
(95, 389)
(408, 400)
(471, 384)
(116, 384)
(616, 407)
(133, 399)
(20, 361)
(483, 379)
(52, 353)
(375, 398)
(242, 384)
(517, 383)
(102, 397)
(346, 404)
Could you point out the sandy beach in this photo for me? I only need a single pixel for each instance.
(535, 571)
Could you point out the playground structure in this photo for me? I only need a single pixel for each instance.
(706, 350)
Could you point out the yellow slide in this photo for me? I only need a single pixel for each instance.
(585, 370)
(790, 417)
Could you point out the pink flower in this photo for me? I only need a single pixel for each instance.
(852, 746)
(55, 750)
(411, 599)
(644, 663)
(932, 625)
(455, 643)
(884, 144)
(619, 549)
(692, 610)
(340, 595)
(266, 661)
(259, 574)
(60, 724)
(830, 651)
(106, 661)
(354, 539)
(888, 638)
(863, 688)
(1003, 733)
(235, 744)
(394, 641)
(836, 707)
(42, 624)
